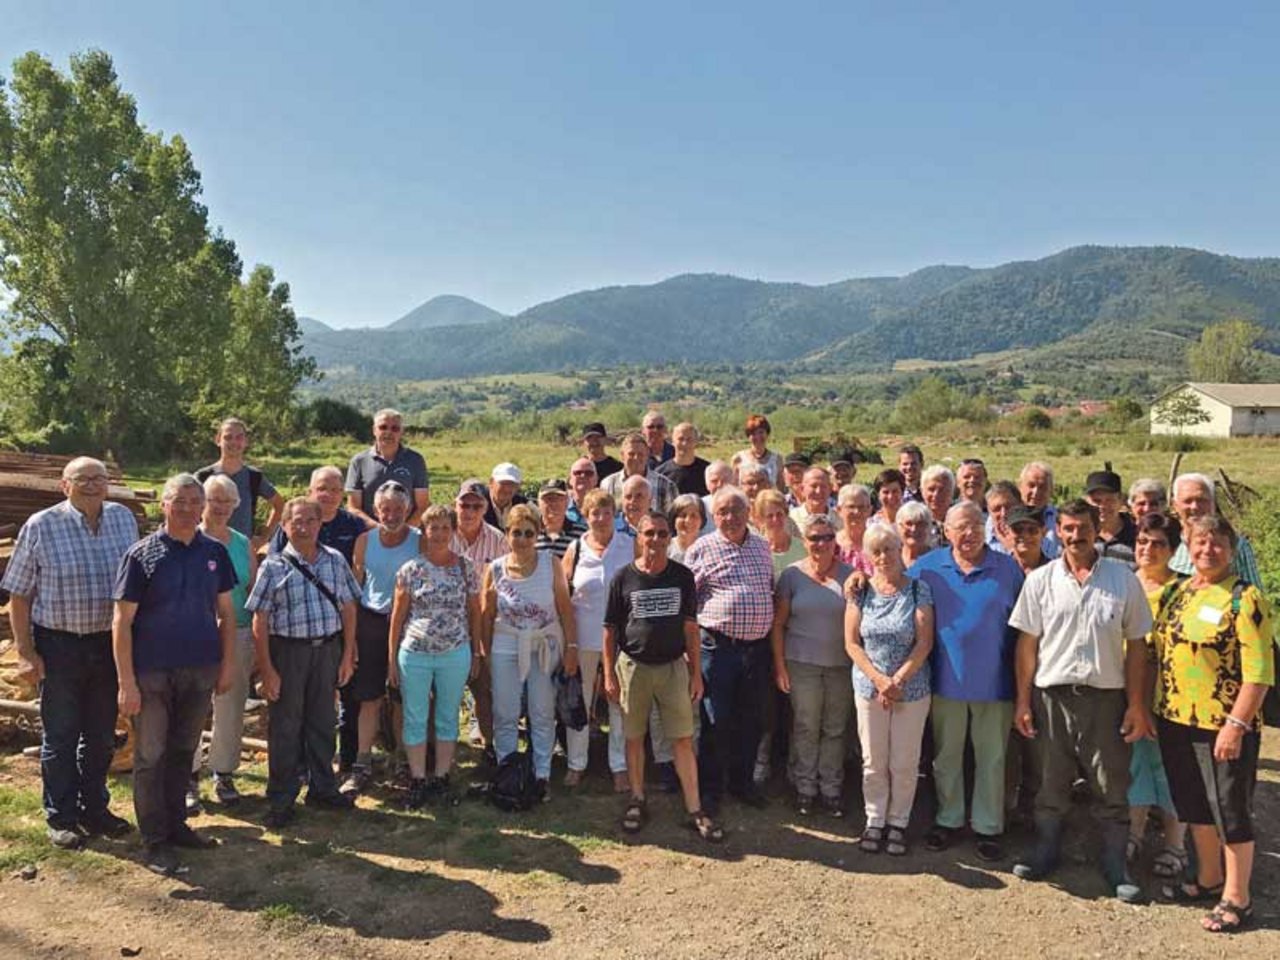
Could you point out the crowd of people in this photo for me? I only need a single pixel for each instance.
(764, 613)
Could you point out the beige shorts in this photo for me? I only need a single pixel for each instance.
(643, 684)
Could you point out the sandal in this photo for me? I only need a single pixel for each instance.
(1190, 892)
(1218, 920)
(871, 839)
(634, 817)
(701, 824)
(895, 842)
(1169, 864)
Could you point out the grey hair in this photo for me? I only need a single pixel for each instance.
(388, 413)
(684, 502)
(938, 472)
(915, 510)
(849, 491)
(220, 481)
(389, 491)
(881, 535)
(716, 467)
(810, 520)
(326, 471)
(79, 463)
(179, 482)
(751, 470)
(963, 507)
(727, 492)
(1204, 481)
(1036, 465)
(635, 481)
(1146, 485)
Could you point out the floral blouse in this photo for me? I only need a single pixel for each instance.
(438, 614)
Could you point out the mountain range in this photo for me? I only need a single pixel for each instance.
(1088, 299)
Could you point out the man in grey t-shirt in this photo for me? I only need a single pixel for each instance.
(232, 440)
(387, 459)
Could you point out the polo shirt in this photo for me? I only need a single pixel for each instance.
(368, 471)
(176, 587)
(487, 546)
(973, 649)
(339, 533)
(1082, 628)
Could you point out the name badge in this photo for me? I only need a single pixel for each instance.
(1211, 615)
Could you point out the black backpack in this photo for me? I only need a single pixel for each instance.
(514, 786)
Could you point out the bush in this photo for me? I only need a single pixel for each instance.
(1261, 522)
(1033, 418)
(334, 418)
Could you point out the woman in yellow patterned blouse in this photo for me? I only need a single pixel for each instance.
(1213, 648)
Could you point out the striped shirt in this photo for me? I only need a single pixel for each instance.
(488, 546)
(294, 606)
(734, 583)
(67, 571)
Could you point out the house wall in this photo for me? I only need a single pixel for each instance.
(1255, 422)
(1219, 423)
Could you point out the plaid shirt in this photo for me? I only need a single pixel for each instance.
(295, 607)
(67, 570)
(735, 584)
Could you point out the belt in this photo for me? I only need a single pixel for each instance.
(720, 637)
(308, 641)
(1081, 689)
(50, 631)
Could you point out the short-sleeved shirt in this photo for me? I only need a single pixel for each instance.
(239, 548)
(688, 479)
(486, 548)
(1121, 546)
(1082, 627)
(1204, 653)
(438, 604)
(888, 632)
(606, 467)
(1050, 546)
(368, 471)
(814, 631)
(294, 606)
(176, 587)
(66, 570)
(735, 584)
(339, 533)
(973, 646)
(648, 612)
(558, 545)
(663, 490)
(242, 518)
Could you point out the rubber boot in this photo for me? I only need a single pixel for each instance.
(1043, 858)
(1115, 870)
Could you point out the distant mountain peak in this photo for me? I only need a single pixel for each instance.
(445, 310)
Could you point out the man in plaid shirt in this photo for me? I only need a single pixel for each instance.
(60, 579)
(304, 632)
(733, 572)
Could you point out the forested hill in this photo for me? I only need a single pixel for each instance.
(942, 312)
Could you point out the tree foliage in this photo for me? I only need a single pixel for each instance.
(1179, 410)
(128, 322)
(1225, 353)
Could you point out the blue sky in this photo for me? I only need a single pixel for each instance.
(515, 152)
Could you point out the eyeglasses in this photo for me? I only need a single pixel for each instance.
(95, 479)
(821, 537)
(582, 473)
(470, 507)
(655, 534)
(390, 428)
(523, 534)
(1152, 542)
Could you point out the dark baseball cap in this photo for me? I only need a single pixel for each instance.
(473, 487)
(1106, 480)
(1024, 514)
(797, 460)
(595, 428)
(553, 486)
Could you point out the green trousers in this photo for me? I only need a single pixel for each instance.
(987, 724)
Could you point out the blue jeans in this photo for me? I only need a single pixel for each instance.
(540, 690)
(78, 716)
(447, 672)
(736, 681)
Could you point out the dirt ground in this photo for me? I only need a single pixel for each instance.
(471, 881)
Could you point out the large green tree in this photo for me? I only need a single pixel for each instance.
(1225, 353)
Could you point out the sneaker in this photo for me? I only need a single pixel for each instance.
(438, 790)
(357, 781)
(804, 804)
(224, 789)
(160, 858)
(332, 801)
(188, 839)
(65, 839)
(417, 798)
(833, 807)
(278, 817)
(106, 824)
(192, 803)
(542, 788)
(761, 773)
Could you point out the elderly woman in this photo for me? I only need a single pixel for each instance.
(810, 665)
(1002, 496)
(589, 566)
(434, 646)
(1157, 538)
(221, 499)
(753, 478)
(853, 503)
(915, 530)
(889, 486)
(772, 521)
(1147, 496)
(937, 490)
(1213, 646)
(888, 634)
(758, 430)
(688, 516)
(528, 625)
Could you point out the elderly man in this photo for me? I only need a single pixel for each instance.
(304, 634)
(504, 493)
(654, 428)
(971, 482)
(1193, 496)
(753, 479)
(1082, 693)
(60, 580)
(593, 441)
(339, 528)
(1002, 496)
(232, 440)
(558, 531)
(844, 467)
(1035, 487)
(378, 557)
(1117, 533)
(635, 463)
(173, 637)
(937, 492)
(910, 464)
(719, 474)
(793, 469)
(387, 459)
(1146, 496)
(686, 469)
(582, 480)
(733, 572)
(817, 500)
(974, 590)
(637, 500)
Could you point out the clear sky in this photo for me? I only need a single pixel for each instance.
(378, 154)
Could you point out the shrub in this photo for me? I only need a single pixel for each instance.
(334, 418)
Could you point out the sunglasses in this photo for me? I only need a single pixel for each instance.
(523, 534)
(821, 538)
(655, 534)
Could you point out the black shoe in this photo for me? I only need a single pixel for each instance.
(804, 804)
(438, 791)
(417, 798)
(224, 789)
(192, 802)
(105, 824)
(278, 817)
(330, 801)
(160, 858)
(542, 790)
(188, 839)
(65, 839)
(751, 797)
(939, 837)
(989, 849)
(833, 807)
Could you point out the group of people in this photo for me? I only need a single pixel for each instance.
(737, 615)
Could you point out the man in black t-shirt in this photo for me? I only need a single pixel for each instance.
(686, 469)
(652, 651)
(593, 441)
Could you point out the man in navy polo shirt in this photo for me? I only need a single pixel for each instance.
(974, 589)
(339, 527)
(173, 636)
(387, 459)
